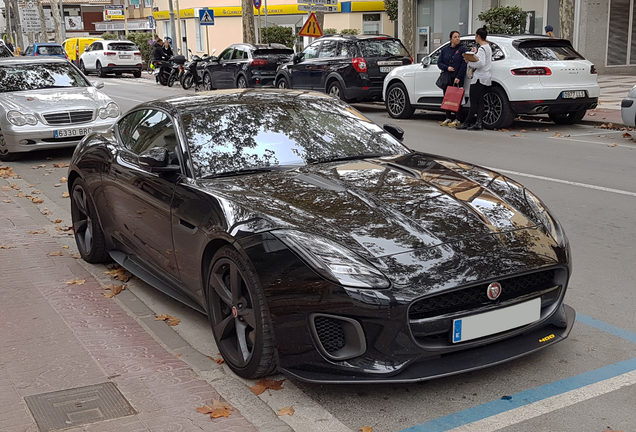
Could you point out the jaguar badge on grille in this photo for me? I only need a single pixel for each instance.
(493, 291)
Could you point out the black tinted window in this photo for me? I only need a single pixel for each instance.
(225, 55)
(497, 52)
(383, 48)
(148, 129)
(122, 47)
(550, 53)
(20, 77)
(50, 50)
(329, 49)
(348, 50)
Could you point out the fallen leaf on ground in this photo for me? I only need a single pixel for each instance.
(523, 131)
(36, 200)
(65, 195)
(60, 165)
(20, 195)
(504, 130)
(5, 247)
(119, 273)
(65, 247)
(63, 180)
(76, 281)
(7, 172)
(38, 191)
(217, 409)
(37, 232)
(287, 410)
(57, 184)
(264, 384)
(76, 256)
(366, 429)
(556, 135)
(625, 135)
(516, 135)
(603, 126)
(58, 220)
(610, 125)
(546, 130)
(565, 136)
(113, 290)
(217, 360)
(172, 321)
(56, 253)
(612, 145)
(591, 114)
(46, 212)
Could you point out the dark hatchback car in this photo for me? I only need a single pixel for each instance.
(245, 65)
(332, 253)
(348, 67)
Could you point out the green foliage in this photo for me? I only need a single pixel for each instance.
(109, 36)
(391, 7)
(277, 34)
(505, 20)
(350, 31)
(142, 41)
(329, 31)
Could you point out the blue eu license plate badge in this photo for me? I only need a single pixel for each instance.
(457, 331)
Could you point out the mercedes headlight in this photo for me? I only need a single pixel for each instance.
(333, 261)
(111, 110)
(19, 119)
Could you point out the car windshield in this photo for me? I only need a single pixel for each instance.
(271, 132)
(383, 48)
(34, 76)
(122, 47)
(50, 50)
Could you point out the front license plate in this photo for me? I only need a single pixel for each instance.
(77, 132)
(387, 68)
(573, 94)
(497, 321)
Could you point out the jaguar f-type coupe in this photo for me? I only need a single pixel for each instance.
(317, 243)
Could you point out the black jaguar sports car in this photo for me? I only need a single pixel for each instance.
(317, 243)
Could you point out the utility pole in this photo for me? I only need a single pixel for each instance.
(178, 42)
(173, 28)
(45, 35)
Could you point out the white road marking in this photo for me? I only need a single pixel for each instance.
(125, 98)
(597, 132)
(548, 405)
(571, 183)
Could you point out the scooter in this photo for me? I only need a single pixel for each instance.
(162, 71)
(176, 69)
(193, 70)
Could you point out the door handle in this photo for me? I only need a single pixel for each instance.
(187, 226)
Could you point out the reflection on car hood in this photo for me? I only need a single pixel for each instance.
(382, 207)
(54, 99)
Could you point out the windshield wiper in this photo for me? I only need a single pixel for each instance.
(345, 158)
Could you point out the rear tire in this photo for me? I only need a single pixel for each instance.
(100, 70)
(241, 82)
(568, 118)
(334, 89)
(83, 68)
(498, 113)
(137, 74)
(86, 228)
(397, 102)
(187, 81)
(163, 78)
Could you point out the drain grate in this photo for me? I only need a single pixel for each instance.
(78, 406)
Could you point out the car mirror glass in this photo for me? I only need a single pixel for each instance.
(98, 84)
(396, 131)
(426, 61)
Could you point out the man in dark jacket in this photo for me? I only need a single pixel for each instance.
(451, 62)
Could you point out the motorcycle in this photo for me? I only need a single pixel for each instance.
(193, 70)
(176, 69)
(161, 71)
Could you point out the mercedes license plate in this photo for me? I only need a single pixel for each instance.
(573, 94)
(77, 132)
(500, 320)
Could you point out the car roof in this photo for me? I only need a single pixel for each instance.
(28, 59)
(46, 44)
(259, 46)
(361, 37)
(117, 41)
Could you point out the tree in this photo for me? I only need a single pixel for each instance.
(249, 34)
(505, 20)
(57, 20)
(329, 31)
(391, 7)
(142, 40)
(277, 34)
(566, 14)
(350, 31)
(109, 36)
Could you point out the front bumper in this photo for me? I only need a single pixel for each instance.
(628, 111)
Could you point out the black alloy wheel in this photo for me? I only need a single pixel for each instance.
(83, 68)
(187, 80)
(100, 70)
(397, 102)
(241, 82)
(335, 90)
(567, 118)
(88, 232)
(282, 83)
(137, 74)
(207, 82)
(497, 113)
(163, 78)
(5, 156)
(238, 315)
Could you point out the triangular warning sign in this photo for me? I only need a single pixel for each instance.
(206, 18)
(311, 27)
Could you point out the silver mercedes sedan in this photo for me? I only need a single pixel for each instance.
(48, 103)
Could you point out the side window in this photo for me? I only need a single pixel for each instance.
(153, 129)
(497, 52)
(97, 46)
(311, 51)
(126, 125)
(329, 49)
(348, 50)
(225, 55)
(238, 54)
(29, 50)
(435, 54)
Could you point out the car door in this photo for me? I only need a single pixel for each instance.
(217, 68)
(90, 55)
(424, 89)
(301, 70)
(325, 62)
(140, 200)
(232, 67)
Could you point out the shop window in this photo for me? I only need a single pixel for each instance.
(371, 23)
(147, 3)
(621, 26)
(199, 35)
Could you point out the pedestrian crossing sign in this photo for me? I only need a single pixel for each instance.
(206, 17)
(311, 27)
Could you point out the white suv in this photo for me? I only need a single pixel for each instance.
(530, 75)
(111, 56)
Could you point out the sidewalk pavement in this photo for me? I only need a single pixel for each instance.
(56, 334)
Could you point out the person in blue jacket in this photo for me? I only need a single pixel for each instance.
(451, 62)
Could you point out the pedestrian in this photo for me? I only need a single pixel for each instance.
(10, 46)
(167, 49)
(453, 66)
(549, 31)
(481, 79)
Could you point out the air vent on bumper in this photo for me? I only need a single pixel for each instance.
(337, 338)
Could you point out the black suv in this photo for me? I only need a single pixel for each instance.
(351, 68)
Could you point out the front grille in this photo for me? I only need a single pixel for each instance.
(475, 296)
(330, 333)
(68, 117)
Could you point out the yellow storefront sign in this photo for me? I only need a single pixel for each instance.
(367, 6)
(183, 13)
(237, 11)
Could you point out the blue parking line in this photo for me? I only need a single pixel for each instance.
(536, 394)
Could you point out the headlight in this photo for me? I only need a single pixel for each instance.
(333, 261)
(19, 119)
(111, 110)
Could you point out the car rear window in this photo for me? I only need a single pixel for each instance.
(50, 50)
(122, 47)
(383, 48)
(273, 51)
(548, 50)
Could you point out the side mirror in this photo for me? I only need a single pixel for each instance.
(297, 57)
(397, 132)
(98, 84)
(156, 160)
(426, 61)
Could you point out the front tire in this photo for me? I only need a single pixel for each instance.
(100, 70)
(568, 118)
(238, 315)
(163, 78)
(498, 113)
(207, 82)
(335, 90)
(282, 83)
(88, 232)
(171, 79)
(397, 102)
(83, 68)
(186, 81)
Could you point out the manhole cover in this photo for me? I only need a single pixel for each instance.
(78, 406)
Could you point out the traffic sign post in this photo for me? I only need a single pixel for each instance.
(206, 18)
(311, 27)
(317, 8)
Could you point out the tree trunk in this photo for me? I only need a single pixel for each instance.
(407, 26)
(18, 26)
(566, 15)
(45, 36)
(55, 11)
(249, 35)
(7, 8)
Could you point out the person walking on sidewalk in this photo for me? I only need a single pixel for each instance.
(549, 31)
(480, 81)
(452, 63)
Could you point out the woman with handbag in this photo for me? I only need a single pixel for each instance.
(481, 79)
(453, 68)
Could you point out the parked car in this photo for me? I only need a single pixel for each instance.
(4, 50)
(348, 67)
(628, 108)
(45, 49)
(530, 75)
(75, 47)
(111, 56)
(46, 102)
(317, 243)
(245, 65)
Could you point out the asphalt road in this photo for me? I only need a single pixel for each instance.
(586, 383)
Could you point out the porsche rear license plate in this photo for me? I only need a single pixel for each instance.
(573, 94)
(488, 323)
(77, 132)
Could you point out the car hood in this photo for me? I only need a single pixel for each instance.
(45, 100)
(382, 207)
